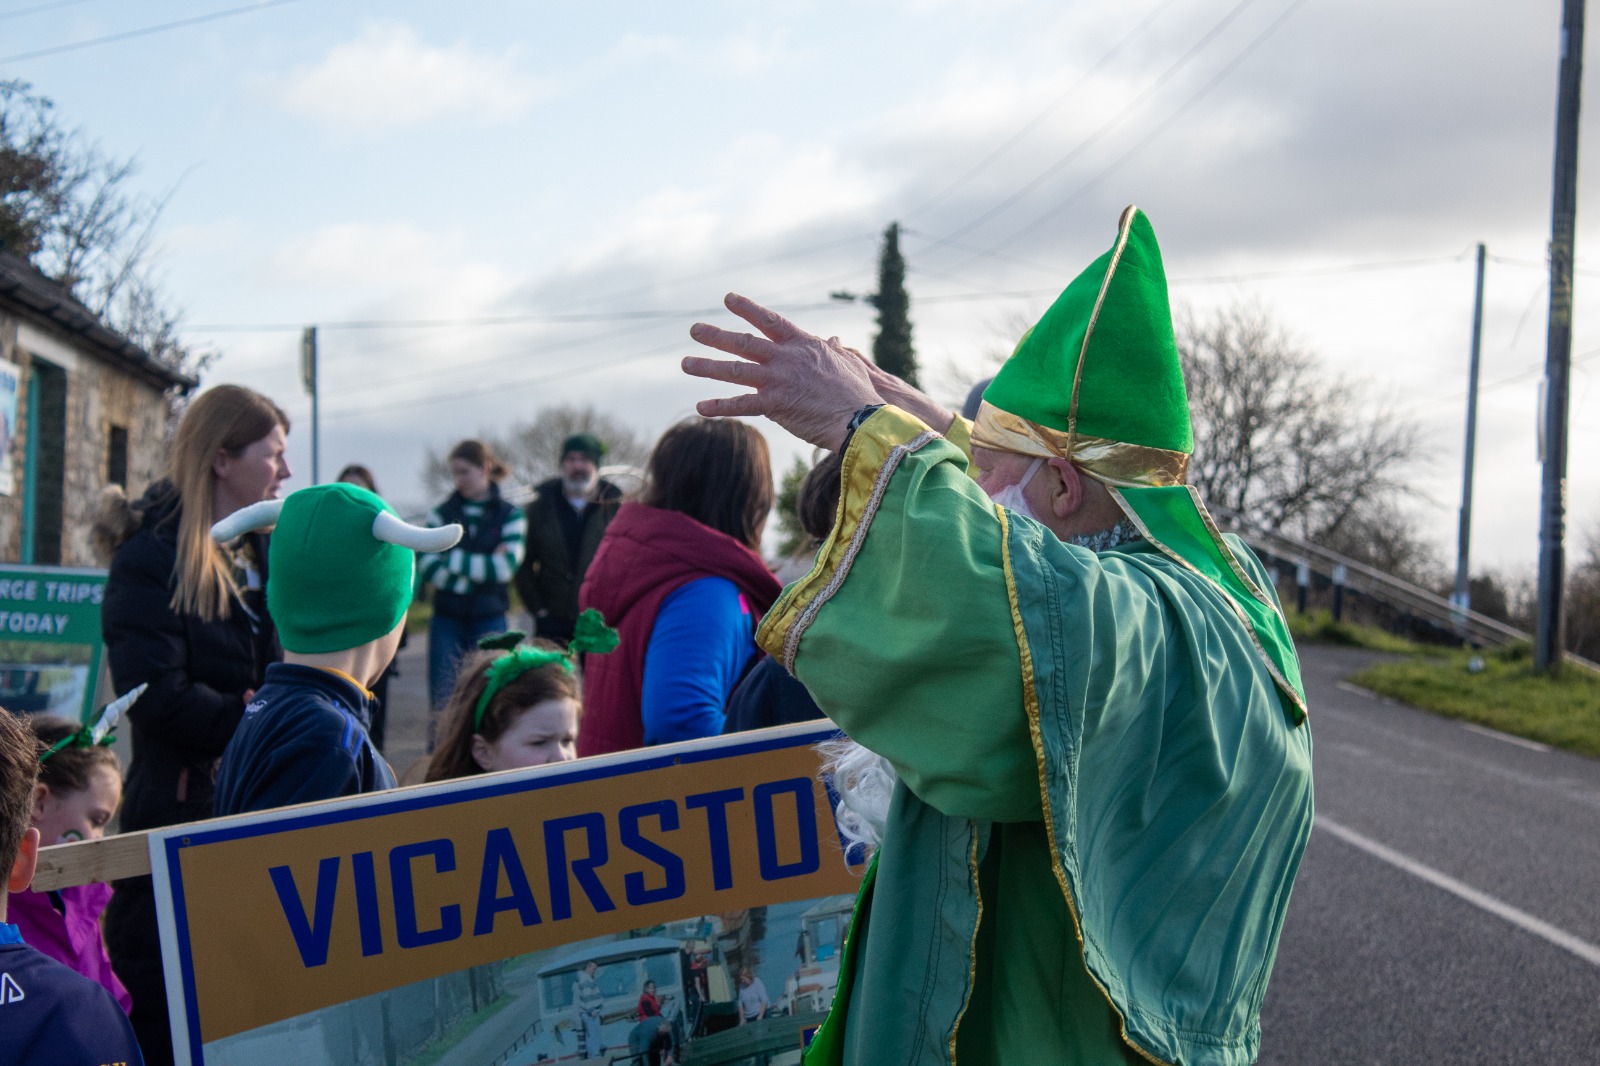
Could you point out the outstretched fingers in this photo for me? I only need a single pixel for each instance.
(752, 374)
(775, 326)
(756, 349)
(749, 403)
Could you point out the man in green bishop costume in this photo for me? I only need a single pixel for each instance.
(1085, 693)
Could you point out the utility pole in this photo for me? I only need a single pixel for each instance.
(308, 374)
(1548, 642)
(1463, 596)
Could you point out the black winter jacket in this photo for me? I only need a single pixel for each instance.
(198, 671)
(561, 543)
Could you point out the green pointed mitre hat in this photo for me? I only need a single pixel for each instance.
(1102, 364)
(1097, 381)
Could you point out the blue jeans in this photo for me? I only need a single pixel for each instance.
(450, 639)
(592, 1040)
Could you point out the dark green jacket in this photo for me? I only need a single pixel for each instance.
(559, 547)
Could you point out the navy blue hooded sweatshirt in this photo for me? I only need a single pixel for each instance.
(52, 1016)
(303, 738)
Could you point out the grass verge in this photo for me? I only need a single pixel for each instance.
(1507, 694)
(437, 1049)
(1318, 627)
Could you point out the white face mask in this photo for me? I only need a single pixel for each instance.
(1011, 497)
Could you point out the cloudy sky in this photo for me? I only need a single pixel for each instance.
(492, 207)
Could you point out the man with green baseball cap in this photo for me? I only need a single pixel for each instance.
(1083, 695)
(566, 519)
(341, 577)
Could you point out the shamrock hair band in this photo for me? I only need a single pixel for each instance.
(591, 634)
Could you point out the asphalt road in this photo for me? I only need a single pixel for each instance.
(1448, 909)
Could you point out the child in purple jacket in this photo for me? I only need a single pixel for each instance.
(79, 789)
(49, 1014)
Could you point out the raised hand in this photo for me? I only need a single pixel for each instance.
(903, 394)
(807, 385)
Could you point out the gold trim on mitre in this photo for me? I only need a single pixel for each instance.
(1112, 462)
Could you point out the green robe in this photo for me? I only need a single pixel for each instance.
(1103, 797)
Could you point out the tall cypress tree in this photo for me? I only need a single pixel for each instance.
(891, 349)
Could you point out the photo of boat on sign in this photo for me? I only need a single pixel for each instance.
(670, 994)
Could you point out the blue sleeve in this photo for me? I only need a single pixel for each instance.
(703, 637)
(292, 773)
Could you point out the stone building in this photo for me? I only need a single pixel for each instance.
(81, 407)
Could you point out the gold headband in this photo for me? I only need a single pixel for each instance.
(1110, 461)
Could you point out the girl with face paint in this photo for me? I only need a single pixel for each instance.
(79, 790)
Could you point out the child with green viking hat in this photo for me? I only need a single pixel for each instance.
(342, 575)
(1082, 695)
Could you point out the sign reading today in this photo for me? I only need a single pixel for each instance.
(649, 864)
(50, 638)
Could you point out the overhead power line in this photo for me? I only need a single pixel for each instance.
(1325, 271)
(1089, 141)
(1426, 403)
(1034, 123)
(1144, 142)
(39, 8)
(1590, 271)
(446, 323)
(648, 316)
(145, 31)
(501, 386)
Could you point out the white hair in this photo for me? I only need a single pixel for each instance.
(864, 782)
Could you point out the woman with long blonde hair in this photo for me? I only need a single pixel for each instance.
(189, 619)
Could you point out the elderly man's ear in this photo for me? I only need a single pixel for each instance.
(1066, 489)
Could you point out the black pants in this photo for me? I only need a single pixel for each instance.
(134, 943)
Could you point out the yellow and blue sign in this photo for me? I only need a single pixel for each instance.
(271, 916)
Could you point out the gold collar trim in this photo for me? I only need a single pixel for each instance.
(1104, 460)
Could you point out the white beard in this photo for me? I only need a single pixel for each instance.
(864, 781)
(576, 488)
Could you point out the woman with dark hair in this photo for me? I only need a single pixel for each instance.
(356, 474)
(769, 694)
(189, 618)
(679, 575)
(471, 581)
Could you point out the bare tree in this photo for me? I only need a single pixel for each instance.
(532, 449)
(954, 377)
(1583, 601)
(68, 209)
(1288, 444)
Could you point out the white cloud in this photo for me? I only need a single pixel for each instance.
(753, 50)
(634, 48)
(395, 270)
(388, 78)
(760, 188)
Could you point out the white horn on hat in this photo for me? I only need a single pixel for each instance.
(263, 515)
(395, 530)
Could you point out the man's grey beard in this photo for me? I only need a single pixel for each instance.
(864, 782)
(1106, 539)
(579, 486)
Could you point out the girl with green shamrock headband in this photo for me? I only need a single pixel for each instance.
(79, 789)
(515, 705)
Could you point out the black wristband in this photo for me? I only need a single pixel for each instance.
(855, 423)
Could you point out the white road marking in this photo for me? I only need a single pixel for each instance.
(1586, 951)
(1531, 745)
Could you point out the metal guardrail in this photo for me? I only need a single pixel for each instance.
(1369, 581)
